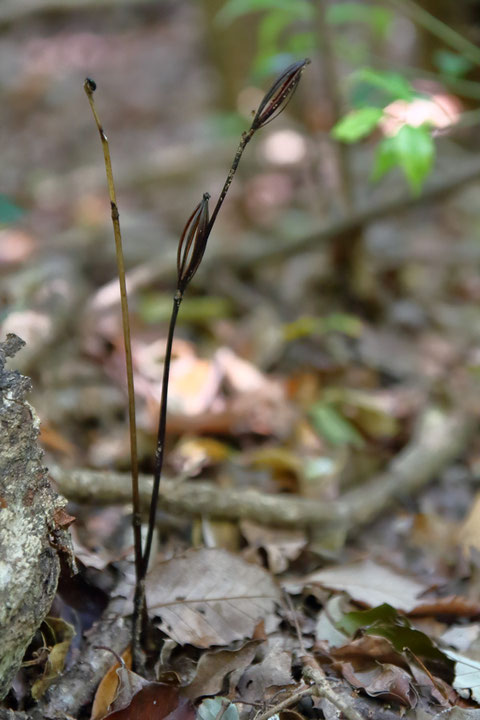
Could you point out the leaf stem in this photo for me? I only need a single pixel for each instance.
(89, 87)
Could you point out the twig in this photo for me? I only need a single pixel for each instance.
(440, 438)
(324, 689)
(89, 87)
(292, 699)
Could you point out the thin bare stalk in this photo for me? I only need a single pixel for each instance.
(162, 425)
(245, 139)
(190, 253)
(90, 87)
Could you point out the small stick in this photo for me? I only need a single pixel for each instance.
(288, 702)
(312, 673)
(139, 602)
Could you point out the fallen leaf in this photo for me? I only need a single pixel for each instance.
(452, 605)
(385, 622)
(281, 545)
(213, 668)
(64, 634)
(213, 708)
(388, 681)
(108, 688)
(209, 597)
(371, 584)
(467, 675)
(156, 701)
(261, 680)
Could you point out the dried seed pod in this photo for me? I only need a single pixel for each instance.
(192, 244)
(279, 95)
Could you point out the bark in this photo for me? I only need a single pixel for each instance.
(30, 521)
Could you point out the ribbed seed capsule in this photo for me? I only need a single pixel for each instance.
(192, 244)
(279, 95)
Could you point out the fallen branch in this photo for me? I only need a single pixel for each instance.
(438, 439)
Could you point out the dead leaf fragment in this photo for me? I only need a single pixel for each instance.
(156, 701)
(64, 633)
(371, 584)
(388, 681)
(209, 597)
(213, 668)
(108, 688)
(280, 544)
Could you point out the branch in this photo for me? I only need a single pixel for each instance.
(439, 438)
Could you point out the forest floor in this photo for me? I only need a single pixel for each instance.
(319, 524)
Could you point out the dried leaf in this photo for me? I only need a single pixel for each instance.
(388, 681)
(213, 668)
(467, 675)
(156, 701)
(209, 597)
(263, 679)
(64, 633)
(108, 688)
(281, 545)
(371, 584)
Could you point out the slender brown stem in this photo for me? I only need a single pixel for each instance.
(162, 421)
(89, 87)
(162, 424)
(245, 139)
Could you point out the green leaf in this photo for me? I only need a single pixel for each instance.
(352, 622)
(234, 9)
(334, 427)
(9, 212)
(411, 149)
(415, 152)
(211, 708)
(386, 622)
(451, 64)
(393, 84)
(357, 124)
(385, 158)
(379, 19)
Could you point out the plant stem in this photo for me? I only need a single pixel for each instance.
(162, 421)
(89, 87)
(245, 139)
(162, 424)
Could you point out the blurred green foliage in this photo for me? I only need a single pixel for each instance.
(288, 31)
(9, 212)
